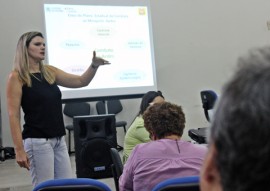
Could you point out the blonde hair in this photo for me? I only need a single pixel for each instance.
(21, 61)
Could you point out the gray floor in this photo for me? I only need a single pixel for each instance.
(14, 178)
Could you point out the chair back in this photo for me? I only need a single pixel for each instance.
(209, 98)
(117, 167)
(72, 184)
(114, 106)
(77, 109)
(100, 107)
(117, 161)
(189, 183)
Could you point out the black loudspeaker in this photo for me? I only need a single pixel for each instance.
(93, 137)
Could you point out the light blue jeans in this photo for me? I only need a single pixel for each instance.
(48, 158)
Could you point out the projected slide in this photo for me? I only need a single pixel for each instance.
(120, 34)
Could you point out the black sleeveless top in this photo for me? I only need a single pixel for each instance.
(42, 109)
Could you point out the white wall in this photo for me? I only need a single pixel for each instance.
(196, 44)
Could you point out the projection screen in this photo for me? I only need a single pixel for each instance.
(119, 31)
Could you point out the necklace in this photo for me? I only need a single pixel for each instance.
(35, 77)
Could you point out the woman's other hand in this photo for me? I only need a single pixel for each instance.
(22, 159)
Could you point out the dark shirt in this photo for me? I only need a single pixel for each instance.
(42, 109)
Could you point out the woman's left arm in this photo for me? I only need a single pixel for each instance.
(75, 81)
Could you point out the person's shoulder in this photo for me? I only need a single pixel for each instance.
(198, 147)
(14, 79)
(142, 146)
(152, 148)
(14, 76)
(50, 67)
(139, 121)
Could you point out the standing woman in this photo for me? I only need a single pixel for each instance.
(32, 85)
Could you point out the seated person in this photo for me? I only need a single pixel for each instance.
(239, 141)
(137, 133)
(166, 156)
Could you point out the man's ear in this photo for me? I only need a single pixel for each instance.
(209, 176)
